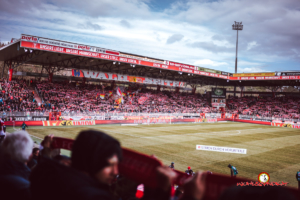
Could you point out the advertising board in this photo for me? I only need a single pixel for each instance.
(218, 93)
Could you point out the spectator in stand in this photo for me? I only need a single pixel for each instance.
(34, 159)
(14, 153)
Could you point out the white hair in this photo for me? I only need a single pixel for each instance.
(17, 146)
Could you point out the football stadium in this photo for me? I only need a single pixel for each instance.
(88, 122)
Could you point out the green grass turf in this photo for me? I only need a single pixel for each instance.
(273, 150)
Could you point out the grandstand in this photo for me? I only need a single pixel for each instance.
(107, 88)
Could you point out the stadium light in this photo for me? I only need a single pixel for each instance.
(227, 81)
(114, 63)
(133, 65)
(30, 50)
(238, 27)
(189, 74)
(240, 81)
(25, 50)
(119, 62)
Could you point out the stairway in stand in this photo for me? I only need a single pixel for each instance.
(37, 97)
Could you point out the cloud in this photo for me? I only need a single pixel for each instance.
(252, 69)
(89, 25)
(251, 45)
(174, 38)
(125, 23)
(199, 31)
(210, 46)
(208, 62)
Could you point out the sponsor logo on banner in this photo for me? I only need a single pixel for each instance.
(263, 177)
(218, 104)
(83, 47)
(284, 125)
(29, 38)
(225, 73)
(181, 65)
(199, 120)
(289, 73)
(254, 74)
(68, 123)
(221, 149)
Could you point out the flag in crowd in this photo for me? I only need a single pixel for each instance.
(119, 92)
(119, 100)
(102, 96)
(110, 93)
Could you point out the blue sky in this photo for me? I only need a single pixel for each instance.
(189, 31)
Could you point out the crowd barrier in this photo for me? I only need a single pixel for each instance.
(143, 121)
(99, 122)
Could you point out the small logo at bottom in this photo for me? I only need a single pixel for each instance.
(263, 177)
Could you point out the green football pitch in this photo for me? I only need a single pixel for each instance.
(270, 149)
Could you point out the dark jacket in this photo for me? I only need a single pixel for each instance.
(14, 183)
(51, 180)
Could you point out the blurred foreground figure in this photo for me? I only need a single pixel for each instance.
(14, 174)
(94, 166)
(298, 178)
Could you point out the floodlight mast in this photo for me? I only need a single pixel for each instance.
(238, 27)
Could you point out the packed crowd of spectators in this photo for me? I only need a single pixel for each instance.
(16, 96)
(72, 99)
(77, 99)
(279, 107)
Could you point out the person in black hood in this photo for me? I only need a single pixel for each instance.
(94, 165)
(97, 154)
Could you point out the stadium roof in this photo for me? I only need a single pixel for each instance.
(68, 55)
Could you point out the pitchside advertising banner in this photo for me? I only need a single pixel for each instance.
(69, 123)
(254, 74)
(286, 125)
(218, 93)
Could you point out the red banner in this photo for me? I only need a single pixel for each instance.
(83, 50)
(10, 74)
